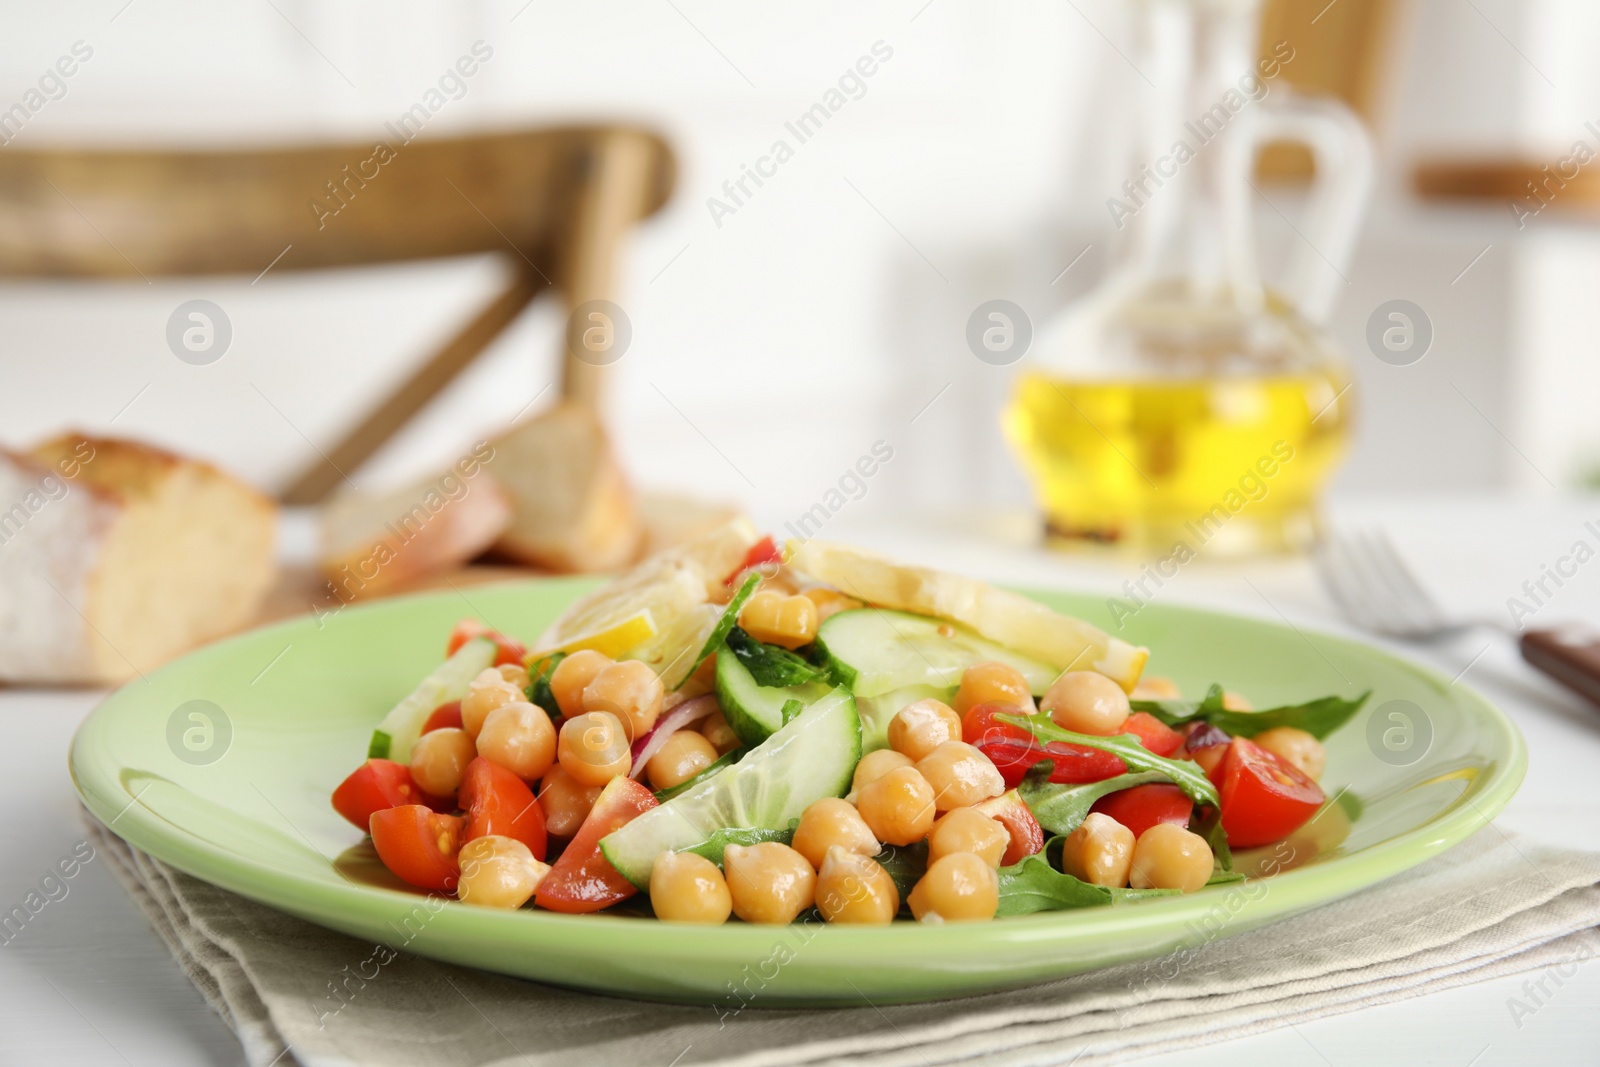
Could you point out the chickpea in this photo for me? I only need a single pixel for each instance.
(1087, 702)
(769, 882)
(516, 674)
(787, 621)
(898, 807)
(686, 888)
(875, 765)
(439, 759)
(1099, 851)
(833, 823)
(631, 691)
(968, 830)
(917, 729)
(566, 802)
(1296, 747)
(992, 683)
(960, 775)
(1234, 702)
(1156, 687)
(572, 676)
(830, 602)
(681, 757)
(593, 748)
(498, 872)
(852, 888)
(959, 887)
(1167, 856)
(488, 691)
(716, 730)
(519, 737)
(1208, 756)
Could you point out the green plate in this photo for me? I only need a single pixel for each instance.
(221, 764)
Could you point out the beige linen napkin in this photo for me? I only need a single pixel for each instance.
(1494, 905)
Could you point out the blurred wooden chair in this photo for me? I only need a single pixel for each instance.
(555, 202)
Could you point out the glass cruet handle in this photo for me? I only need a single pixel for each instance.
(1342, 152)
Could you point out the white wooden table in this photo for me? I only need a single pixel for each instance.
(87, 982)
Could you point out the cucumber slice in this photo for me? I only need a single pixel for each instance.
(813, 757)
(399, 730)
(755, 712)
(875, 651)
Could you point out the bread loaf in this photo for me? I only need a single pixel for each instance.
(117, 556)
(572, 507)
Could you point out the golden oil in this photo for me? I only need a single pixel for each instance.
(1228, 465)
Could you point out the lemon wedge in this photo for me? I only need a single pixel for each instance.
(616, 639)
(1005, 618)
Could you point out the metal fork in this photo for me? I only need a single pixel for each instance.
(1377, 591)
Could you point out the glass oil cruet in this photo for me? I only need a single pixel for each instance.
(1183, 403)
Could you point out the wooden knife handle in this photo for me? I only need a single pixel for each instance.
(1569, 654)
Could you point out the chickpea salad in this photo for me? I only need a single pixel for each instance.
(739, 729)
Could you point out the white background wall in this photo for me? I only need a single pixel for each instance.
(826, 313)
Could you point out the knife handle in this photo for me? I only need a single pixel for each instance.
(1570, 654)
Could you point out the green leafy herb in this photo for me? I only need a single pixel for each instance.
(1032, 885)
(712, 847)
(906, 865)
(770, 665)
(716, 768)
(539, 684)
(1317, 717)
(1060, 808)
(1207, 822)
(727, 621)
(791, 708)
(1184, 774)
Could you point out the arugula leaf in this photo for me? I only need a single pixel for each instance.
(906, 865)
(1182, 773)
(1317, 717)
(1060, 808)
(725, 622)
(770, 665)
(1032, 885)
(727, 760)
(712, 847)
(539, 684)
(791, 708)
(1208, 824)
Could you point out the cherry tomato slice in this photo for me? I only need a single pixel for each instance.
(979, 724)
(498, 802)
(763, 551)
(445, 715)
(1011, 812)
(1073, 763)
(507, 649)
(583, 880)
(1264, 798)
(1153, 734)
(419, 845)
(375, 785)
(1144, 806)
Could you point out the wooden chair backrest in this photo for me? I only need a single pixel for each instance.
(556, 202)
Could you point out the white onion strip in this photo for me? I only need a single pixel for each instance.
(685, 714)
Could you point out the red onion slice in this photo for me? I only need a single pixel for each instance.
(685, 714)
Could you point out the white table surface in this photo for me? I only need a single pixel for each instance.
(87, 981)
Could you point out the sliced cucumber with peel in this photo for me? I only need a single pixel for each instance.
(399, 730)
(755, 712)
(813, 757)
(876, 652)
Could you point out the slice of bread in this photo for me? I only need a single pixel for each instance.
(572, 508)
(116, 556)
(375, 544)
